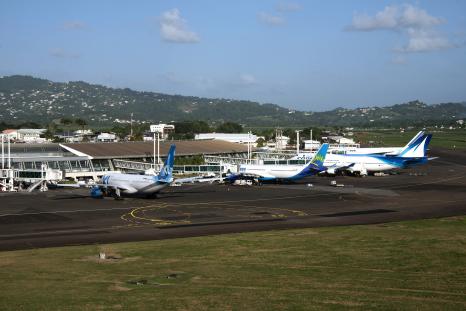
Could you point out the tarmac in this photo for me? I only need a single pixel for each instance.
(71, 217)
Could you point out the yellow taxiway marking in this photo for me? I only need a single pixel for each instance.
(138, 215)
(135, 216)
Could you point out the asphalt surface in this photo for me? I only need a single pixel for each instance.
(70, 217)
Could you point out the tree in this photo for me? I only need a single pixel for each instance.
(291, 134)
(81, 123)
(260, 142)
(316, 133)
(187, 129)
(229, 127)
(66, 123)
(49, 134)
(267, 133)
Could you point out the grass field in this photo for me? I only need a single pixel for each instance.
(449, 139)
(406, 265)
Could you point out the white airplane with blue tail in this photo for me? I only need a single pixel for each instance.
(117, 184)
(283, 172)
(414, 153)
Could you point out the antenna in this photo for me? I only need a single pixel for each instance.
(131, 134)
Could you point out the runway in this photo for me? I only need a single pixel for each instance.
(70, 217)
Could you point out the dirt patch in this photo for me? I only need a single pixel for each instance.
(343, 303)
(307, 232)
(109, 259)
(119, 288)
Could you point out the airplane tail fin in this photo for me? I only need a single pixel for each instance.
(412, 141)
(165, 174)
(417, 148)
(319, 158)
(421, 133)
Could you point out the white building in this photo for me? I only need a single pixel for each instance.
(163, 129)
(82, 132)
(106, 138)
(279, 143)
(241, 138)
(311, 144)
(341, 140)
(25, 135)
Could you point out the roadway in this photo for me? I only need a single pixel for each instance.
(70, 217)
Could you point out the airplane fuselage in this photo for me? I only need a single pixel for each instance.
(369, 163)
(134, 184)
(271, 172)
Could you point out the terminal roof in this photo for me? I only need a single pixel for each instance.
(145, 149)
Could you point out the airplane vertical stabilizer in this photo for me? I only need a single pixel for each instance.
(417, 136)
(319, 158)
(165, 174)
(418, 148)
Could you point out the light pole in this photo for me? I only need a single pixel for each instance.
(9, 154)
(249, 146)
(158, 147)
(297, 141)
(156, 129)
(3, 151)
(312, 144)
(153, 142)
(131, 134)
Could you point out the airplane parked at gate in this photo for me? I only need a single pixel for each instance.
(372, 150)
(283, 172)
(412, 154)
(116, 184)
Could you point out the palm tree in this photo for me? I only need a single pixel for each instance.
(81, 122)
(66, 122)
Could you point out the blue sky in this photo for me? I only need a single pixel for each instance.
(308, 55)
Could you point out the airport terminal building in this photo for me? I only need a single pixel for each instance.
(92, 160)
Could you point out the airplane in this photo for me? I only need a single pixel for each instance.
(372, 150)
(117, 184)
(283, 172)
(412, 154)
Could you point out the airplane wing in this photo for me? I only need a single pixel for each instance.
(126, 189)
(101, 186)
(334, 169)
(192, 180)
(189, 180)
(232, 177)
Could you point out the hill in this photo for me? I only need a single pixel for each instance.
(25, 98)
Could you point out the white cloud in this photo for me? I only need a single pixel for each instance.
(288, 6)
(269, 19)
(74, 25)
(61, 53)
(247, 79)
(395, 18)
(386, 19)
(410, 21)
(412, 16)
(173, 28)
(420, 40)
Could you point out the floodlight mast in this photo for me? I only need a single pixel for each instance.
(297, 141)
(156, 129)
(3, 151)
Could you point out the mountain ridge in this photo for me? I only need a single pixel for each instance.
(25, 98)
